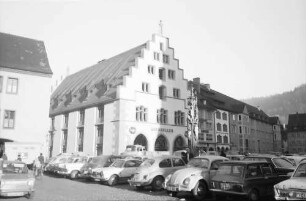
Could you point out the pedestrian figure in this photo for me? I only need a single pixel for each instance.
(19, 157)
(42, 162)
(37, 167)
(222, 153)
(4, 157)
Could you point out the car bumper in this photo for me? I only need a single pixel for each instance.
(13, 192)
(139, 182)
(222, 192)
(177, 188)
(287, 198)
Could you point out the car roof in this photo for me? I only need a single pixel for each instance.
(262, 156)
(211, 157)
(17, 162)
(161, 157)
(244, 162)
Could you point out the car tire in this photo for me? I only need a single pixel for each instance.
(157, 183)
(139, 188)
(113, 180)
(253, 195)
(200, 191)
(74, 174)
(173, 194)
(30, 195)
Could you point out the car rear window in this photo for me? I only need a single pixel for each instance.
(300, 171)
(199, 162)
(14, 168)
(280, 162)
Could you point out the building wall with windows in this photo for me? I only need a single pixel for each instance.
(296, 133)
(222, 129)
(25, 81)
(145, 104)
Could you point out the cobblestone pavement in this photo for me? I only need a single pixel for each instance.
(49, 188)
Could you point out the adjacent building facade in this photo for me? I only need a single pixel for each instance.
(296, 133)
(25, 80)
(136, 97)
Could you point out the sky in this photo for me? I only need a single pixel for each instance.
(242, 48)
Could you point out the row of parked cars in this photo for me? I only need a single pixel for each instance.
(205, 176)
(251, 177)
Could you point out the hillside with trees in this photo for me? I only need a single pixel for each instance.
(282, 104)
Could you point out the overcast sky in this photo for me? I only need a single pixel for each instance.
(241, 48)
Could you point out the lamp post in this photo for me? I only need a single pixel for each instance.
(192, 120)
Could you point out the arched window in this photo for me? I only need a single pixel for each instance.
(161, 144)
(179, 144)
(224, 128)
(162, 92)
(218, 127)
(225, 139)
(218, 115)
(224, 116)
(141, 140)
(219, 139)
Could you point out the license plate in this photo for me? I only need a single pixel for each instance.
(225, 186)
(301, 195)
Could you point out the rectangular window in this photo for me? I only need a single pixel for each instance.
(150, 69)
(240, 129)
(9, 119)
(64, 141)
(1, 83)
(201, 136)
(165, 59)
(12, 86)
(161, 46)
(171, 74)
(176, 93)
(179, 118)
(156, 56)
(239, 117)
(141, 114)
(66, 118)
(81, 139)
(145, 87)
(162, 73)
(209, 137)
(162, 116)
(82, 118)
(100, 114)
(99, 140)
(234, 117)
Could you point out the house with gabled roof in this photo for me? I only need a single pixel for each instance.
(136, 97)
(237, 126)
(25, 81)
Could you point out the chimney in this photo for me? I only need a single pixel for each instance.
(197, 84)
(207, 86)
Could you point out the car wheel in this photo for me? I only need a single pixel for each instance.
(139, 188)
(30, 195)
(253, 195)
(157, 183)
(173, 194)
(74, 174)
(113, 180)
(200, 190)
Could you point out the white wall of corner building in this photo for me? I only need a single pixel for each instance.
(31, 106)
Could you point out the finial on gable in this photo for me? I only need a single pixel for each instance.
(161, 27)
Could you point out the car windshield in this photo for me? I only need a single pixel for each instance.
(14, 168)
(198, 162)
(283, 163)
(147, 163)
(117, 164)
(228, 169)
(300, 171)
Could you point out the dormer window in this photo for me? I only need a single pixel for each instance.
(166, 59)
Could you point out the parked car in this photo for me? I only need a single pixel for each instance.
(195, 177)
(250, 180)
(281, 165)
(119, 171)
(52, 166)
(295, 160)
(97, 162)
(293, 188)
(16, 180)
(152, 172)
(235, 157)
(72, 167)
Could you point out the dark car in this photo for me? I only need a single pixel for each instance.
(245, 179)
(281, 165)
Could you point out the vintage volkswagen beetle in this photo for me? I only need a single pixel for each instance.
(293, 188)
(16, 180)
(195, 177)
(119, 171)
(153, 171)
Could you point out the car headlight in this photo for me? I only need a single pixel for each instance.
(291, 194)
(31, 183)
(168, 177)
(186, 181)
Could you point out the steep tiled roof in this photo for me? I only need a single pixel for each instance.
(23, 54)
(297, 122)
(223, 102)
(93, 85)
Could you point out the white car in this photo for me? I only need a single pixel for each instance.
(293, 188)
(153, 171)
(119, 171)
(195, 178)
(73, 166)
